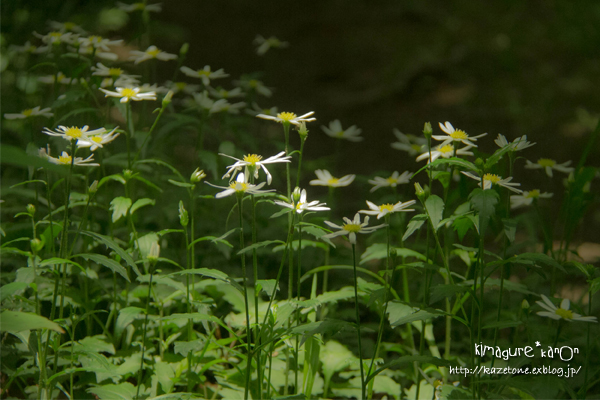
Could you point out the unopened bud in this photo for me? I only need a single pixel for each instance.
(154, 253)
(525, 304)
(167, 99)
(36, 245)
(183, 215)
(30, 209)
(427, 130)
(127, 174)
(197, 175)
(296, 195)
(184, 49)
(479, 163)
(302, 131)
(419, 190)
(93, 187)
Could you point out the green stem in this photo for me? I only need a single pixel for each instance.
(298, 287)
(149, 135)
(255, 279)
(362, 372)
(248, 332)
(130, 132)
(141, 371)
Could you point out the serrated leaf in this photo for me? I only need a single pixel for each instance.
(539, 258)
(462, 225)
(94, 344)
(17, 321)
(510, 228)
(126, 316)
(484, 202)
(415, 223)
(494, 158)
(267, 286)
(115, 177)
(119, 206)
(458, 162)
(107, 262)
(141, 203)
(114, 246)
(184, 348)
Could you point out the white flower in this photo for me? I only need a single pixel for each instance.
(335, 130)
(28, 48)
(241, 185)
(303, 205)
(56, 38)
(65, 27)
(205, 74)
(98, 42)
(223, 105)
(65, 159)
(150, 53)
(561, 312)
(351, 228)
(74, 132)
(265, 44)
(255, 110)
(96, 141)
(182, 87)
(385, 209)
(393, 181)
(489, 179)
(129, 93)
(526, 198)
(226, 94)
(60, 78)
(516, 145)
(32, 112)
(549, 165)
(326, 179)
(255, 162)
(289, 118)
(409, 143)
(89, 50)
(445, 151)
(139, 7)
(115, 73)
(254, 85)
(456, 135)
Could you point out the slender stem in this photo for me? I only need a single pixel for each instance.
(587, 346)
(362, 372)
(298, 287)
(248, 332)
(255, 279)
(139, 380)
(302, 140)
(149, 135)
(130, 132)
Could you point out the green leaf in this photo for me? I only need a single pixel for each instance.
(211, 273)
(117, 249)
(17, 321)
(196, 317)
(435, 208)
(11, 288)
(415, 223)
(326, 327)
(76, 112)
(594, 285)
(107, 262)
(141, 203)
(259, 245)
(126, 316)
(440, 292)
(418, 315)
(161, 163)
(494, 158)
(458, 162)
(123, 391)
(539, 258)
(214, 239)
(165, 375)
(119, 207)
(510, 228)
(462, 225)
(408, 360)
(267, 286)
(317, 232)
(56, 260)
(147, 182)
(484, 202)
(182, 184)
(15, 156)
(116, 177)
(94, 344)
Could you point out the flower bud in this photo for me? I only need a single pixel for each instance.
(93, 187)
(296, 195)
(183, 215)
(525, 304)
(479, 163)
(427, 130)
(184, 49)
(419, 190)
(127, 174)
(167, 99)
(30, 209)
(154, 253)
(197, 175)
(302, 131)
(36, 245)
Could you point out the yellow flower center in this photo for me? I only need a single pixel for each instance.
(64, 159)
(73, 132)
(340, 134)
(391, 180)
(239, 186)
(492, 178)
(203, 72)
(351, 227)
(459, 135)
(96, 139)
(180, 85)
(31, 48)
(27, 112)
(384, 207)
(533, 194)
(153, 53)
(252, 158)
(253, 83)
(332, 181)
(95, 39)
(546, 162)
(115, 71)
(139, 6)
(446, 149)
(60, 77)
(415, 147)
(69, 26)
(128, 92)
(286, 116)
(566, 314)
(55, 35)
(299, 205)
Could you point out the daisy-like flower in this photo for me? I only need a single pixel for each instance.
(352, 227)
(409, 143)
(456, 135)
(29, 113)
(226, 94)
(516, 145)
(98, 42)
(326, 179)
(527, 197)
(445, 151)
(255, 110)
(335, 130)
(89, 50)
(151, 52)
(223, 105)
(265, 44)
(182, 87)
(129, 93)
(561, 312)
(206, 74)
(385, 209)
(240, 186)
(28, 48)
(60, 78)
(393, 181)
(56, 38)
(139, 7)
(255, 162)
(66, 27)
(74, 132)
(254, 85)
(289, 118)
(548, 165)
(303, 205)
(492, 179)
(115, 73)
(96, 141)
(65, 159)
